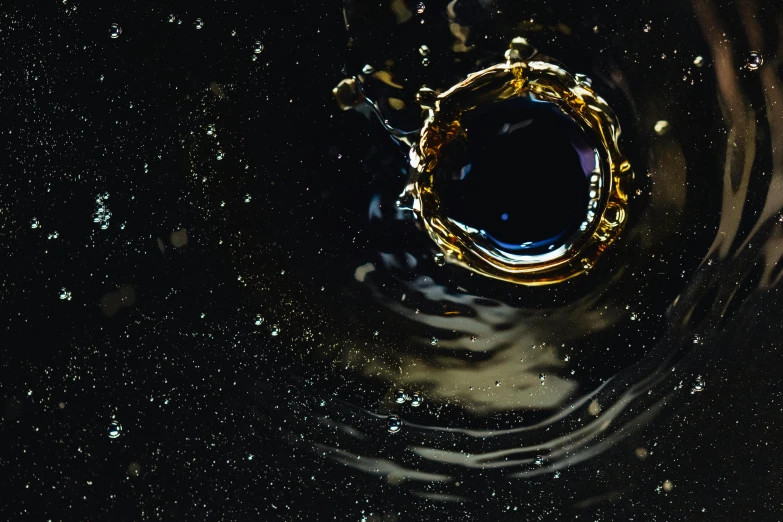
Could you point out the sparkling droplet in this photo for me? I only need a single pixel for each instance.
(539, 461)
(172, 18)
(219, 155)
(248, 197)
(754, 60)
(434, 341)
(646, 28)
(440, 259)
(275, 330)
(400, 396)
(258, 47)
(425, 61)
(542, 377)
(115, 31)
(210, 130)
(65, 295)
(417, 399)
(424, 50)
(393, 423)
(114, 430)
(420, 7)
(35, 223)
(258, 321)
(198, 24)
(698, 385)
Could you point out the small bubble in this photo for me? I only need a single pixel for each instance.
(198, 24)
(425, 62)
(595, 29)
(497, 383)
(434, 341)
(172, 18)
(661, 127)
(698, 61)
(65, 295)
(439, 259)
(393, 423)
(258, 47)
(114, 430)
(634, 317)
(539, 461)
(420, 7)
(248, 197)
(587, 264)
(542, 377)
(275, 330)
(259, 320)
(400, 396)
(696, 339)
(754, 60)
(368, 69)
(424, 50)
(698, 385)
(417, 399)
(233, 32)
(210, 130)
(219, 155)
(115, 31)
(473, 338)
(34, 223)
(53, 235)
(646, 28)
(557, 474)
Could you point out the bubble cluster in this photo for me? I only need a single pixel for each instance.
(102, 213)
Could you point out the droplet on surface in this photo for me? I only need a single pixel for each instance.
(393, 423)
(754, 60)
(198, 24)
(434, 341)
(698, 385)
(114, 430)
(400, 396)
(275, 330)
(417, 399)
(115, 31)
(258, 47)
(258, 321)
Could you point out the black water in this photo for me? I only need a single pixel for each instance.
(210, 297)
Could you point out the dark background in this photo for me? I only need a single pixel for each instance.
(160, 335)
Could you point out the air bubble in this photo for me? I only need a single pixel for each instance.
(661, 127)
(248, 197)
(698, 61)
(417, 399)
(754, 60)
(258, 47)
(114, 430)
(172, 18)
(368, 69)
(542, 377)
(198, 24)
(34, 223)
(115, 31)
(259, 320)
(434, 341)
(425, 62)
(210, 130)
(439, 259)
(65, 294)
(539, 461)
(420, 7)
(698, 385)
(219, 155)
(393, 423)
(400, 396)
(275, 330)
(424, 50)
(646, 28)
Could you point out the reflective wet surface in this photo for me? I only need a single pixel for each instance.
(228, 298)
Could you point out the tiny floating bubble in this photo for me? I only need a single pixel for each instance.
(210, 130)
(34, 223)
(698, 385)
(417, 399)
(539, 461)
(400, 396)
(420, 7)
(425, 61)
(115, 31)
(248, 197)
(219, 155)
(65, 294)
(542, 377)
(439, 259)
(172, 18)
(114, 430)
(259, 320)
(275, 330)
(424, 50)
(647, 28)
(198, 24)
(368, 69)
(233, 32)
(53, 235)
(434, 341)
(258, 47)
(393, 423)
(754, 60)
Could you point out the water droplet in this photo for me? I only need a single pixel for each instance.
(275, 330)
(420, 7)
(210, 130)
(368, 69)
(557, 474)
(172, 18)
(65, 295)
(539, 461)
(439, 259)
(661, 127)
(646, 28)
(434, 341)
(754, 60)
(698, 61)
(698, 385)
(219, 155)
(198, 24)
(424, 50)
(542, 377)
(497, 383)
(233, 32)
(393, 423)
(417, 399)
(115, 31)
(400, 396)
(258, 321)
(114, 430)
(248, 197)
(34, 223)
(258, 47)
(425, 62)
(634, 317)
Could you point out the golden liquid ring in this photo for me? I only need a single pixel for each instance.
(466, 246)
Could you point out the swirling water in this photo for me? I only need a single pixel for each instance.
(297, 323)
